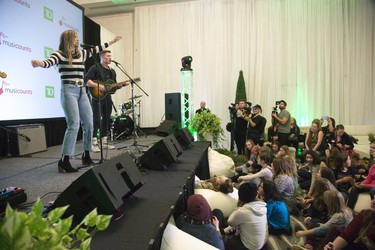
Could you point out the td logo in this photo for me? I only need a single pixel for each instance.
(48, 14)
(50, 92)
(47, 52)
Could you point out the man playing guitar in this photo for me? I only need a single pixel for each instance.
(104, 74)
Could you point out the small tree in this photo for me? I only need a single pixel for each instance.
(241, 89)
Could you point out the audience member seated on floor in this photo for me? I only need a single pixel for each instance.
(277, 212)
(326, 172)
(367, 185)
(360, 171)
(199, 222)
(307, 173)
(264, 160)
(314, 138)
(218, 184)
(285, 152)
(249, 159)
(316, 209)
(339, 214)
(247, 225)
(358, 235)
(344, 174)
(331, 155)
(284, 182)
(275, 148)
(251, 165)
(272, 133)
(341, 140)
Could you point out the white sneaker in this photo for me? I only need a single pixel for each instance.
(106, 145)
(95, 147)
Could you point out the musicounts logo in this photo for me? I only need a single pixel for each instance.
(4, 41)
(24, 3)
(5, 90)
(63, 22)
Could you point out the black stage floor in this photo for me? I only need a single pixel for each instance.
(144, 212)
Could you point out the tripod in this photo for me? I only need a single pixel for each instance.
(132, 82)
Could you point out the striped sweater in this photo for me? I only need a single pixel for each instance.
(74, 71)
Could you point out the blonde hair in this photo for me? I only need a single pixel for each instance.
(67, 46)
(335, 202)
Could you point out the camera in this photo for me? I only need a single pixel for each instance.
(232, 108)
(274, 109)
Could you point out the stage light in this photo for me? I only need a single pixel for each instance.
(186, 63)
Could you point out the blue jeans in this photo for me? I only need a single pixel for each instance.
(77, 108)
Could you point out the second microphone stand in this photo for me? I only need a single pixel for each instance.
(135, 143)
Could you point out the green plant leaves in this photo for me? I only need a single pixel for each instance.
(207, 123)
(19, 230)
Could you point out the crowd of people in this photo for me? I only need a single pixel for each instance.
(321, 188)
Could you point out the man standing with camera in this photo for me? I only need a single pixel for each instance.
(282, 120)
(241, 126)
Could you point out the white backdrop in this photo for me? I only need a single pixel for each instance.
(318, 55)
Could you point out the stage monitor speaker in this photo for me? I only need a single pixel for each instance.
(174, 105)
(104, 187)
(167, 127)
(162, 154)
(184, 137)
(26, 139)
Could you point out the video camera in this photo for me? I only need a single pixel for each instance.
(232, 108)
(274, 109)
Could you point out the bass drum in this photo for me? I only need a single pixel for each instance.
(123, 126)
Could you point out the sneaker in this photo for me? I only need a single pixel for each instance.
(105, 143)
(109, 146)
(95, 147)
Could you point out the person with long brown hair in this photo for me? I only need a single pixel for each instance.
(74, 100)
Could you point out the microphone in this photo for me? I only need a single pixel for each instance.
(83, 45)
(115, 62)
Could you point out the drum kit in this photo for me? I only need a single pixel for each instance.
(122, 124)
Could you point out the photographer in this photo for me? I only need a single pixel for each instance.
(256, 123)
(241, 126)
(282, 121)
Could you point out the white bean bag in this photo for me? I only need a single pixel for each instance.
(176, 239)
(363, 202)
(225, 202)
(220, 164)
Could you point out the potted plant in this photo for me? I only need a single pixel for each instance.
(20, 230)
(208, 124)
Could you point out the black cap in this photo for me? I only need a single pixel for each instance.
(257, 106)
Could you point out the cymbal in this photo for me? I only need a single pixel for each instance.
(135, 97)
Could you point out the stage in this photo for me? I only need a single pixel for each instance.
(144, 213)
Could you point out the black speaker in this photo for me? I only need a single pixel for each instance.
(168, 127)
(174, 105)
(104, 187)
(184, 137)
(162, 154)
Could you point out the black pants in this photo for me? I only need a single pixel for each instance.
(283, 138)
(106, 110)
(353, 195)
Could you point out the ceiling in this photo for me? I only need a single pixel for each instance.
(103, 7)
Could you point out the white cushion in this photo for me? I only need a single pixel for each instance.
(225, 202)
(176, 239)
(363, 202)
(220, 164)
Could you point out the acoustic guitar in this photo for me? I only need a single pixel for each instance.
(3, 75)
(110, 86)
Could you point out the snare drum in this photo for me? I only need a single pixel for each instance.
(123, 126)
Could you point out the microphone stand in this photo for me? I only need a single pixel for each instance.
(133, 111)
